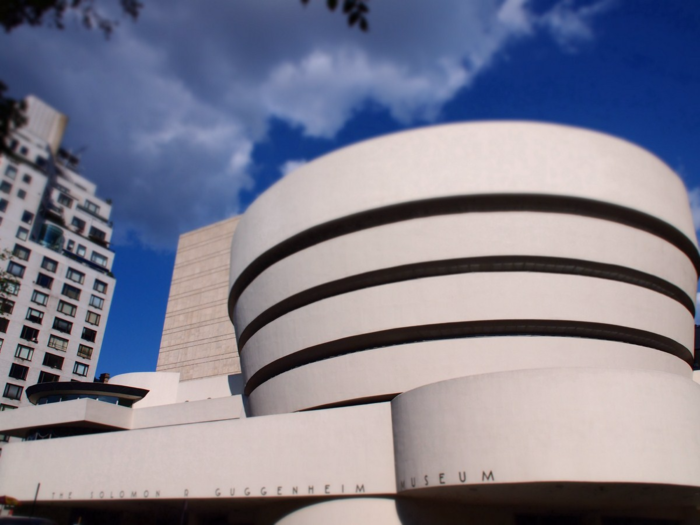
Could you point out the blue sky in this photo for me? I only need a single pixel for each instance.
(192, 111)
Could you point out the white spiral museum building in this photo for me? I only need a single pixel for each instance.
(472, 323)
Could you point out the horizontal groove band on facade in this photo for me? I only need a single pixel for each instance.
(468, 298)
(462, 232)
(437, 332)
(470, 236)
(327, 383)
(467, 265)
(463, 204)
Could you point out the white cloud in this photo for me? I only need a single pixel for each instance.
(514, 14)
(694, 196)
(570, 25)
(291, 165)
(172, 122)
(346, 77)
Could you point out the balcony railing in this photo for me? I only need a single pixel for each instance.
(94, 214)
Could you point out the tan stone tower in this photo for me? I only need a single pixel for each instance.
(198, 339)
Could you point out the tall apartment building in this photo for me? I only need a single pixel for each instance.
(55, 233)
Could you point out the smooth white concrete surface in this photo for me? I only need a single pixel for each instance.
(186, 413)
(466, 235)
(413, 365)
(462, 159)
(322, 453)
(165, 388)
(80, 411)
(162, 386)
(583, 425)
(353, 511)
(205, 388)
(92, 413)
(469, 297)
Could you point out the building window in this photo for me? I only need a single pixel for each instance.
(66, 308)
(27, 179)
(5, 187)
(70, 245)
(80, 369)
(40, 298)
(92, 207)
(11, 172)
(29, 334)
(99, 259)
(85, 352)
(49, 265)
(65, 200)
(100, 287)
(6, 306)
(16, 269)
(22, 233)
(97, 302)
(62, 325)
(75, 276)
(92, 318)
(3, 205)
(27, 217)
(71, 291)
(89, 335)
(53, 361)
(24, 352)
(58, 343)
(4, 323)
(21, 252)
(40, 161)
(96, 234)
(80, 251)
(23, 150)
(44, 281)
(18, 371)
(21, 194)
(4, 407)
(34, 316)
(79, 224)
(45, 377)
(13, 391)
(10, 288)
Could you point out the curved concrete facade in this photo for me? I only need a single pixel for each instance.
(346, 512)
(477, 323)
(554, 425)
(418, 364)
(418, 257)
(466, 236)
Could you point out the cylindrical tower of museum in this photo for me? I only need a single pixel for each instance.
(459, 250)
